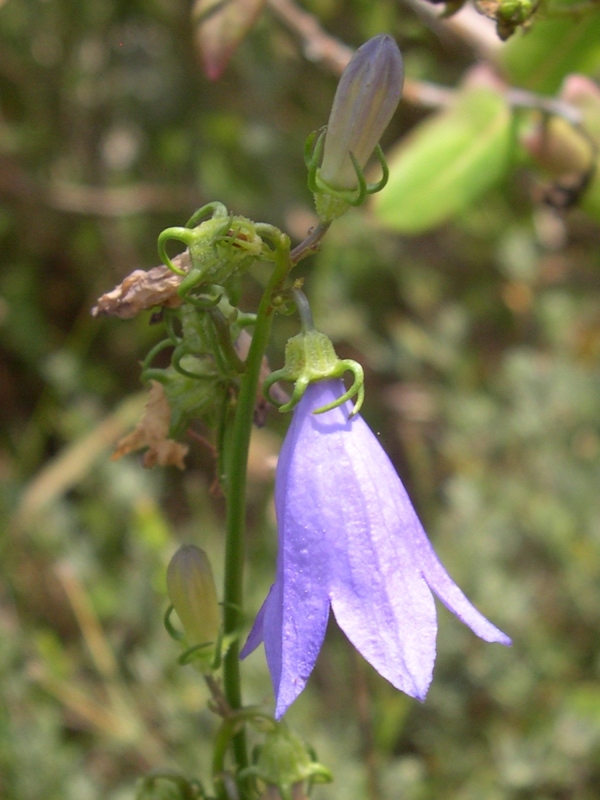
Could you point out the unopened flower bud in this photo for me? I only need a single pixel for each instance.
(285, 763)
(510, 15)
(560, 145)
(367, 96)
(192, 592)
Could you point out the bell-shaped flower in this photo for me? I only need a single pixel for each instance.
(350, 539)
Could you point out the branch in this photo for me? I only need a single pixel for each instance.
(318, 46)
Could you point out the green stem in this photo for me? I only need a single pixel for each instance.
(236, 467)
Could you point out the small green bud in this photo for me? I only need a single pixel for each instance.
(285, 762)
(510, 15)
(366, 98)
(192, 592)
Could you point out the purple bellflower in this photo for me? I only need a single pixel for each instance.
(350, 539)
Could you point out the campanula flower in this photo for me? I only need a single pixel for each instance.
(350, 540)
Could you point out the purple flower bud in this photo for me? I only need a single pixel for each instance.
(192, 592)
(350, 540)
(367, 96)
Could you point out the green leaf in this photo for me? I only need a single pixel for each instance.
(447, 162)
(540, 58)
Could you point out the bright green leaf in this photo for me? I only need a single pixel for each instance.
(447, 163)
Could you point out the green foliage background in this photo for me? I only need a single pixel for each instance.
(480, 337)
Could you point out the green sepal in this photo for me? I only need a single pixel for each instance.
(330, 202)
(284, 761)
(188, 789)
(310, 357)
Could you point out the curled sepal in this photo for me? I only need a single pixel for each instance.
(186, 789)
(331, 202)
(220, 248)
(184, 235)
(310, 357)
(214, 209)
(284, 762)
(178, 636)
(193, 231)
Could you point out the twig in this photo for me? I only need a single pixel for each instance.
(117, 201)
(103, 201)
(521, 98)
(320, 47)
(467, 26)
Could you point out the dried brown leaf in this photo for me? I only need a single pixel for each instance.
(152, 432)
(143, 290)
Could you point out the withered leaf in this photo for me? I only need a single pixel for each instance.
(153, 432)
(143, 290)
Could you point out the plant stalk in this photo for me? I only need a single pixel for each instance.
(236, 470)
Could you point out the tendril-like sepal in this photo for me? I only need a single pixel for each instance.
(332, 202)
(310, 357)
(186, 788)
(285, 762)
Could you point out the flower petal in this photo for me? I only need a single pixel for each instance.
(378, 594)
(448, 592)
(298, 608)
(366, 450)
(255, 637)
(294, 633)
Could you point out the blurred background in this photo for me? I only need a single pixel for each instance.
(472, 304)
